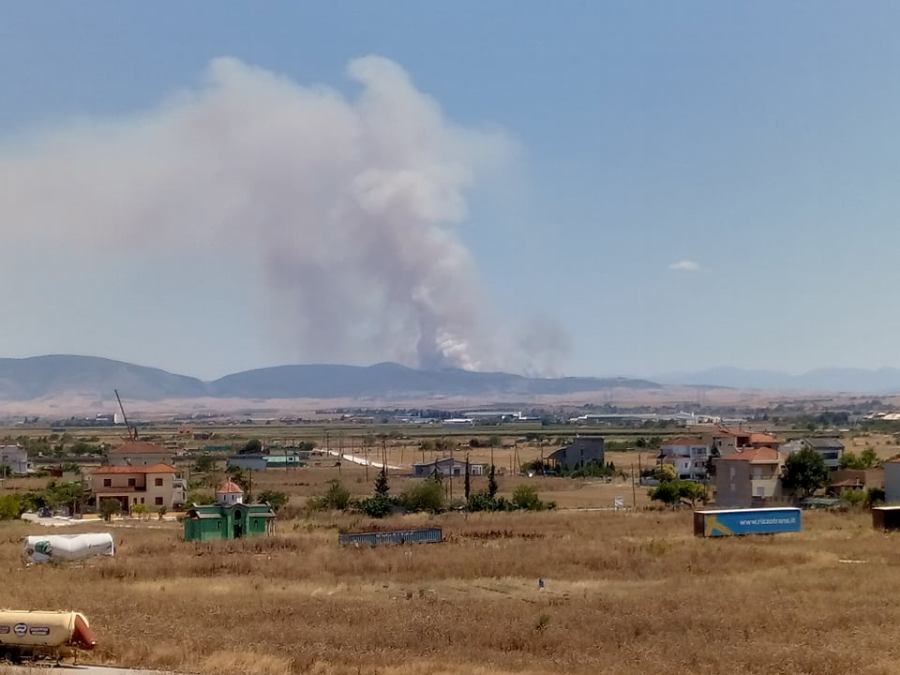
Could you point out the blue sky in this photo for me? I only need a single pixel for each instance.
(755, 141)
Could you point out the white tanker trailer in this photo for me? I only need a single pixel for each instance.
(68, 547)
(34, 634)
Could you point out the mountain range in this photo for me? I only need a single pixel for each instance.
(44, 377)
(851, 380)
(56, 375)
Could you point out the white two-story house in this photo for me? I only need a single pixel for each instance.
(688, 454)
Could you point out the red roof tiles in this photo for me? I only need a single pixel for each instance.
(229, 487)
(153, 468)
(755, 455)
(141, 448)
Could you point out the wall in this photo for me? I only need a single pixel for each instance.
(733, 487)
(252, 463)
(139, 459)
(892, 482)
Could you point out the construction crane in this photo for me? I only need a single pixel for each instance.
(132, 432)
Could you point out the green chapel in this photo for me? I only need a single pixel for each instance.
(228, 518)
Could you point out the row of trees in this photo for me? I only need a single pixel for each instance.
(427, 495)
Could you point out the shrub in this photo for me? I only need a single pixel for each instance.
(336, 498)
(875, 495)
(140, 511)
(427, 495)
(251, 447)
(526, 497)
(853, 497)
(109, 508)
(273, 498)
(200, 497)
(376, 506)
(11, 507)
(482, 501)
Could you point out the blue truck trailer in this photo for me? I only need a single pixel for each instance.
(729, 522)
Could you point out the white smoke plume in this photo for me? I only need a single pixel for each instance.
(347, 203)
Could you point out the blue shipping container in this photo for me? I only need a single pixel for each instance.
(727, 522)
(431, 535)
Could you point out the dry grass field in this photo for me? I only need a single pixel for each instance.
(625, 593)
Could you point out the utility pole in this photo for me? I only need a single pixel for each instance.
(541, 445)
(366, 452)
(451, 473)
(633, 491)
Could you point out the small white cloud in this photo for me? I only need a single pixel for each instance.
(685, 266)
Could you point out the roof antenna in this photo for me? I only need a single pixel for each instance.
(132, 433)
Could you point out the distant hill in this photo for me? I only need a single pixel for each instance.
(40, 376)
(387, 379)
(48, 376)
(856, 380)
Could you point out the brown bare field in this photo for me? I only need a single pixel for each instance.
(625, 593)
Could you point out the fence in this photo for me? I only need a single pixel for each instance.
(431, 535)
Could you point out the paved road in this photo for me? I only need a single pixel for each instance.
(361, 460)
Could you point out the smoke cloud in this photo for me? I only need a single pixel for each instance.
(347, 203)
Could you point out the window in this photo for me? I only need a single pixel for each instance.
(131, 482)
(158, 501)
(107, 482)
(158, 482)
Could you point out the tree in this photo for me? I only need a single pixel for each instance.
(205, 463)
(805, 472)
(382, 488)
(273, 498)
(666, 492)
(850, 460)
(492, 483)
(693, 492)
(665, 473)
(60, 494)
(467, 484)
(868, 458)
(251, 447)
(109, 508)
(236, 474)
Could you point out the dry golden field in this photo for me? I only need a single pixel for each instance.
(625, 593)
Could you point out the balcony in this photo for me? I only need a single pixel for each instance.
(118, 489)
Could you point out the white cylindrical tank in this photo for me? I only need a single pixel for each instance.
(24, 630)
(65, 547)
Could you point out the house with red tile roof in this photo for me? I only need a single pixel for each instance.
(153, 486)
(139, 453)
(748, 477)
